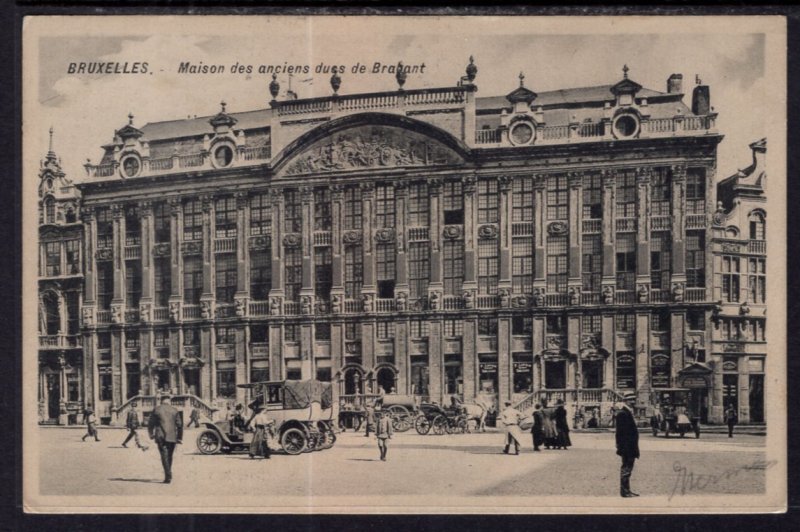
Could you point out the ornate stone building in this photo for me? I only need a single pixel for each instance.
(527, 246)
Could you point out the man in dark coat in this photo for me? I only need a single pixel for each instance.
(562, 426)
(731, 418)
(166, 429)
(537, 429)
(627, 444)
(132, 424)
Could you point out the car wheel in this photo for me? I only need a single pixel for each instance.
(294, 441)
(209, 442)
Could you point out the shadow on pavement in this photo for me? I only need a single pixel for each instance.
(145, 480)
(363, 460)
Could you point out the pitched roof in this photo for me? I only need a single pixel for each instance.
(598, 93)
(191, 127)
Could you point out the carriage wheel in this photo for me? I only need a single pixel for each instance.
(400, 418)
(422, 425)
(209, 442)
(294, 441)
(331, 438)
(440, 425)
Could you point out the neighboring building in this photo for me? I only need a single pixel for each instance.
(61, 365)
(740, 285)
(526, 246)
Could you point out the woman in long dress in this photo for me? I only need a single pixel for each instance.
(259, 445)
(562, 426)
(549, 428)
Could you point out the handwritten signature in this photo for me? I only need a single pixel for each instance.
(686, 481)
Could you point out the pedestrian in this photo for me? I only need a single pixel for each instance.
(592, 423)
(510, 418)
(132, 424)
(237, 424)
(194, 417)
(627, 436)
(166, 429)
(549, 429)
(383, 431)
(91, 425)
(562, 426)
(537, 429)
(731, 418)
(370, 419)
(259, 446)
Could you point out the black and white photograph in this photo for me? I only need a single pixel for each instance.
(399, 264)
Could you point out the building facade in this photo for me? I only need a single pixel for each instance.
(431, 242)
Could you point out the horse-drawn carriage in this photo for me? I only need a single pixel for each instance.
(303, 412)
(353, 410)
(433, 417)
(671, 414)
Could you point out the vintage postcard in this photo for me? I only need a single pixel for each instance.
(404, 264)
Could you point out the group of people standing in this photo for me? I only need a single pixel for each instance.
(550, 428)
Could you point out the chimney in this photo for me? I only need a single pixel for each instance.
(701, 99)
(675, 84)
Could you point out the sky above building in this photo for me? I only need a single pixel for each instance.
(553, 53)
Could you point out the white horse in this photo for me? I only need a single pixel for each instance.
(477, 410)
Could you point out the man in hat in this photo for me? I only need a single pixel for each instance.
(91, 425)
(132, 424)
(383, 430)
(510, 418)
(562, 426)
(627, 443)
(537, 429)
(166, 429)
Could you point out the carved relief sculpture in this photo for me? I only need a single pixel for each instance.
(574, 297)
(175, 311)
(677, 292)
(433, 300)
(205, 310)
(643, 293)
(88, 316)
(384, 235)
(274, 306)
(366, 302)
(538, 297)
(305, 305)
(144, 313)
(336, 304)
(608, 295)
(116, 314)
(401, 300)
(505, 298)
(351, 237)
(241, 307)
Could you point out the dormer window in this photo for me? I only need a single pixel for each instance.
(626, 126)
(521, 133)
(131, 166)
(49, 211)
(223, 156)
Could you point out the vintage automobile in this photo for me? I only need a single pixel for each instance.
(303, 412)
(671, 413)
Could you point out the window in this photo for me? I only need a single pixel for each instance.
(729, 330)
(557, 198)
(660, 260)
(419, 376)
(160, 338)
(106, 389)
(418, 268)
(73, 312)
(293, 259)
(323, 272)
(522, 325)
(260, 216)
(192, 220)
(592, 263)
(73, 257)
(625, 323)
(452, 376)
(225, 277)
(592, 196)
(756, 330)
(322, 331)
(730, 390)
(74, 387)
(226, 382)
(696, 191)
(162, 277)
(133, 227)
(384, 329)
(523, 372)
(225, 217)
(104, 340)
(453, 328)
(487, 326)
(105, 228)
(555, 324)
(259, 373)
(591, 324)
(226, 335)
(418, 205)
(162, 222)
(626, 369)
(660, 192)
(522, 265)
(52, 259)
(418, 329)
(696, 320)
(757, 226)
(291, 332)
(260, 275)
(626, 194)
(488, 201)
(324, 374)
(105, 284)
(385, 269)
(352, 331)
(191, 336)
(384, 205)
(660, 321)
(453, 202)
(488, 266)
(132, 339)
(557, 264)
(49, 211)
(352, 207)
(294, 374)
(322, 209)
(757, 281)
(730, 279)
(453, 265)
(522, 200)
(292, 212)
(52, 317)
(353, 271)
(626, 261)
(192, 280)
(259, 334)
(660, 365)
(133, 283)
(695, 259)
